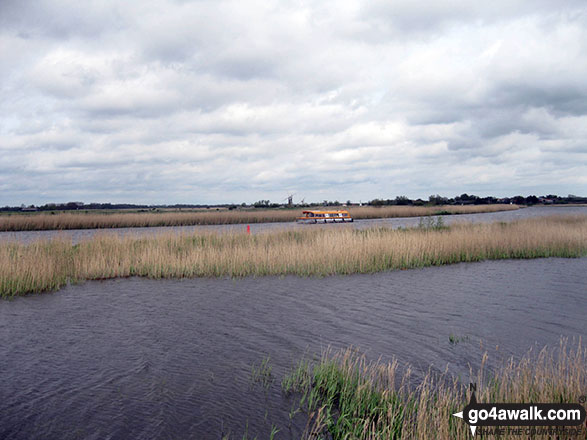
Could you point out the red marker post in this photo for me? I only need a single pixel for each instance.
(249, 229)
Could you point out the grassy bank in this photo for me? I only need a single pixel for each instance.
(48, 265)
(93, 220)
(346, 397)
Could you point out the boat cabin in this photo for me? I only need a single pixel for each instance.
(325, 216)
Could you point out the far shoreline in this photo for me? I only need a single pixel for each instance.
(68, 220)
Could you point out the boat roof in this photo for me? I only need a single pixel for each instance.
(316, 211)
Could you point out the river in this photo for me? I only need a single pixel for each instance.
(140, 359)
(80, 234)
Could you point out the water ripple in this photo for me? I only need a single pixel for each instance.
(138, 358)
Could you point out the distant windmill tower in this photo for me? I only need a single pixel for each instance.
(289, 200)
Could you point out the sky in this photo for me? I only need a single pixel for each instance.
(176, 101)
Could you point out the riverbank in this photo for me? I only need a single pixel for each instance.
(92, 220)
(345, 396)
(48, 265)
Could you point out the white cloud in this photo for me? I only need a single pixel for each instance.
(217, 101)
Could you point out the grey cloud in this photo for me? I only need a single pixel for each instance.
(561, 99)
(402, 18)
(58, 19)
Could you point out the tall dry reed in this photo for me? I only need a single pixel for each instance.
(366, 212)
(92, 220)
(47, 265)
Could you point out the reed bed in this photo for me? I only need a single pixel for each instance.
(50, 264)
(347, 397)
(367, 212)
(77, 220)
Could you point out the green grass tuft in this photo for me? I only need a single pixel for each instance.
(262, 373)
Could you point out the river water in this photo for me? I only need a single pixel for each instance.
(171, 359)
(80, 234)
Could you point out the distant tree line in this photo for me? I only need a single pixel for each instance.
(76, 206)
(264, 204)
(463, 199)
(466, 199)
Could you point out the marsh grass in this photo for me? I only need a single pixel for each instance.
(93, 220)
(262, 373)
(455, 339)
(347, 397)
(431, 223)
(50, 264)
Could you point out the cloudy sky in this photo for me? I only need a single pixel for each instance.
(169, 101)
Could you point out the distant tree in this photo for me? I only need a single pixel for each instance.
(402, 200)
(485, 200)
(466, 199)
(532, 200)
(261, 204)
(437, 200)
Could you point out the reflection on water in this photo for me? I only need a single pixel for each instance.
(81, 234)
(139, 358)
